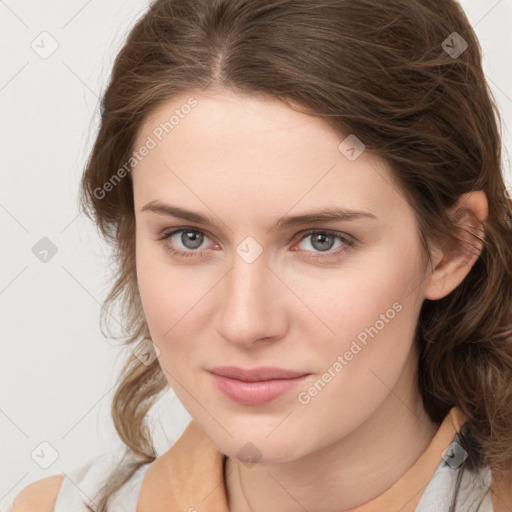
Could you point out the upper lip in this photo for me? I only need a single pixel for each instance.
(256, 374)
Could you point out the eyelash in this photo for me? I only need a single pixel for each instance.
(347, 241)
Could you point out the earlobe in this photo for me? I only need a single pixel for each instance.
(453, 262)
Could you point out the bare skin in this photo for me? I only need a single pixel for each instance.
(246, 162)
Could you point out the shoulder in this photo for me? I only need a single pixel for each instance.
(64, 492)
(39, 496)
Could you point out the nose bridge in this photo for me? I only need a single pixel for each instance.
(247, 307)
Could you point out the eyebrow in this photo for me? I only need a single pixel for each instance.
(313, 217)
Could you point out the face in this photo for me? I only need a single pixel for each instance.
(334, 300)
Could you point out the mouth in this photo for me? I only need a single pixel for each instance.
(255, 386)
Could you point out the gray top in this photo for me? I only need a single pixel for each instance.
(82, 484)
(472, 495)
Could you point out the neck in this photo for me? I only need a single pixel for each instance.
(347, 474)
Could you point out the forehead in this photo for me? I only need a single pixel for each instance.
(204, 119)
(251, 151)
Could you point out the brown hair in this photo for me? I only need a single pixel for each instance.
(374, 68)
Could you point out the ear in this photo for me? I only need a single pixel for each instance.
(453, 261)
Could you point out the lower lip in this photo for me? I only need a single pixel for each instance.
(255, 393)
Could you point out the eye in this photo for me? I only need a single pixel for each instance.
(190, 238)
(322, 241)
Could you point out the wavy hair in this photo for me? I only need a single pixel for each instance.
(374, 68)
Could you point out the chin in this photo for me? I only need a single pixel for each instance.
(257, 442)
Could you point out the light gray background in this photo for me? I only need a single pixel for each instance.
(58, 372)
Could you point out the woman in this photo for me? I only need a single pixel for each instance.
(314, 243)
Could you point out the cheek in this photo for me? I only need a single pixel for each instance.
(374, 318)
(377, 325)
(163, 291)
(378, 291)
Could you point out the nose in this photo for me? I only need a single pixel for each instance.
(251, 304)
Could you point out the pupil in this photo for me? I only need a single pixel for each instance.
(322, 239)
(189, 236)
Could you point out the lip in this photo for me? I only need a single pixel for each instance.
(255, 386)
